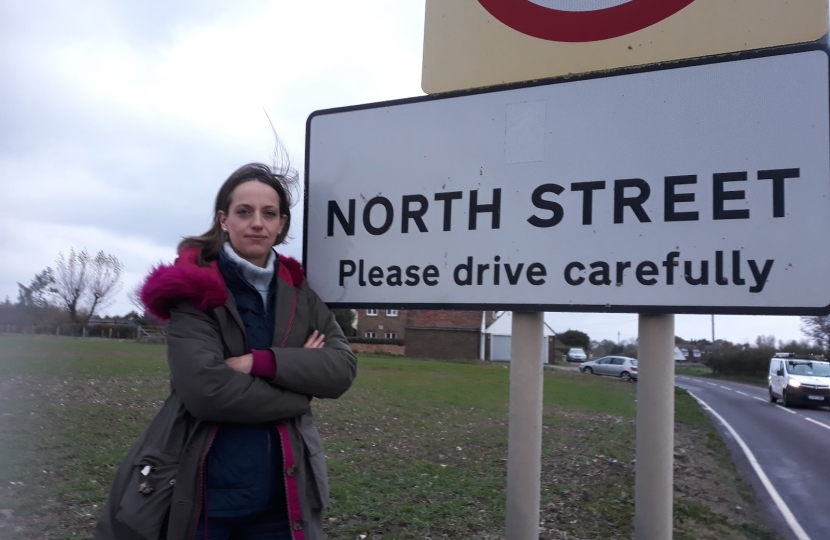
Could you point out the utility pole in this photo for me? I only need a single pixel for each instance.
(713, 329)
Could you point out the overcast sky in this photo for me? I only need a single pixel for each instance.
(121, 119)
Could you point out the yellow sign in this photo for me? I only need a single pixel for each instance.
(479, 43)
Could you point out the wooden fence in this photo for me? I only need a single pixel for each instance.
(150, 334)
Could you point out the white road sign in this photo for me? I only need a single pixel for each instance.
(697, 189)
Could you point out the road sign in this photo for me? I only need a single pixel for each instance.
(657, 191)
(607, 19)
(479, 43)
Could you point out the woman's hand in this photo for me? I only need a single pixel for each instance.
(315, 341)
(242, 364)
(245, 363)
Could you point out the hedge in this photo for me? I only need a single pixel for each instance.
(745, 362)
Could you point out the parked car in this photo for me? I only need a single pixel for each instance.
(799, 380)
(575, 354)
(613, 366)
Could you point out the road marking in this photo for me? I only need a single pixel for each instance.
(773, 493)
(759, 399)
(711, 384)
(725, 387)
(786, 409)
(697, 380)
(741, 393)
(822, 424)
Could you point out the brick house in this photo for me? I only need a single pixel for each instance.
(381, 323)
(445, 333)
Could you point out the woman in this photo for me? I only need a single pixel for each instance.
(234, 452)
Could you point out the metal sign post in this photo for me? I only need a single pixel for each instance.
(524, 444)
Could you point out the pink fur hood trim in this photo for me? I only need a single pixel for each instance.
(202, 286)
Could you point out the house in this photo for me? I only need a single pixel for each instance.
(498, 339)
(381, 323)
(445, 334)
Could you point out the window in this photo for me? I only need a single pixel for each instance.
(372, 312)
(391, 312)
(617, 362)
(370, 335)
(391, 335)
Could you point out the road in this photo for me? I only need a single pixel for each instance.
(789, 447)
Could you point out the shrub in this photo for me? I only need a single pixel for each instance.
(575, 338)
(752, 362)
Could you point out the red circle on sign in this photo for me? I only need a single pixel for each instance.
(581, 26)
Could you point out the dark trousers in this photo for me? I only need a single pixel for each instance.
(258, 527)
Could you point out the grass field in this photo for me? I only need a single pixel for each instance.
(417, 449)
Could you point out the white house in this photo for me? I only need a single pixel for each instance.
(499, 338)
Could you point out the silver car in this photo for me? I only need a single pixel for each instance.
(614, 366)
(576, 354)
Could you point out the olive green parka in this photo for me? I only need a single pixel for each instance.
(157, 491)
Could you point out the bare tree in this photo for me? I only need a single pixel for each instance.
(104, 281)
(818, 329)
(84, 284)
(765, 342)
(70, 280)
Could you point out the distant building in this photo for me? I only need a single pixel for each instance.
(444, 334)
(381, 323)
(498, 340)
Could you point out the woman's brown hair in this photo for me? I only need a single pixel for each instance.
(212, 241)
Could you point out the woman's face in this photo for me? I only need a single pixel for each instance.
(253, 221)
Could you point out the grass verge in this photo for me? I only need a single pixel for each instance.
(417, 449)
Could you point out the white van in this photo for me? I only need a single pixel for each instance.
(799, 380)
